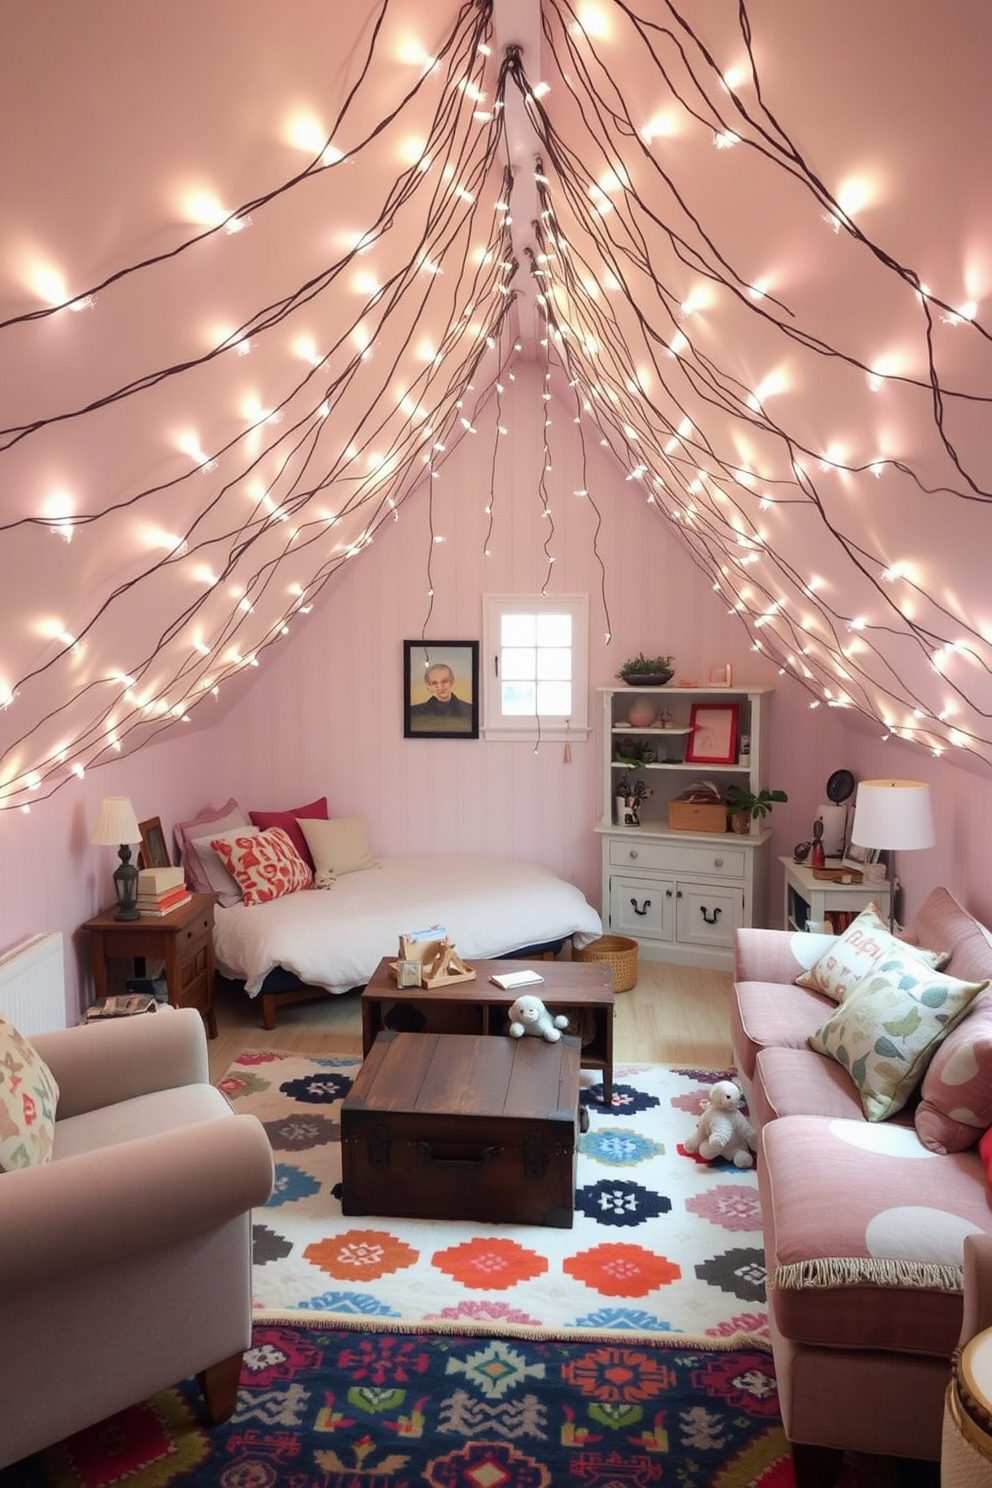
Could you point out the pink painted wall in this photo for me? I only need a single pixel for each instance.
(324, 713)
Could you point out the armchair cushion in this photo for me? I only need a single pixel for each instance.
(28, 1096)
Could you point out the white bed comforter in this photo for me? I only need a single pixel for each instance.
(336, 937)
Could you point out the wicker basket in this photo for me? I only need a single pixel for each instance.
(620, 952)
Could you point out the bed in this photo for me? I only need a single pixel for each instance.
(327, 941)
(304, 909)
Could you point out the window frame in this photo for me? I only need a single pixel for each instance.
(496, 724)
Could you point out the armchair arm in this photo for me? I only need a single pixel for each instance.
(776, 955)
(977, 1286)
(78, 1213)
(98, 1064)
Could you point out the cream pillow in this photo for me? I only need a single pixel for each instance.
(337, 846)
(887, 1028)
(28, 1095)
(863, 946)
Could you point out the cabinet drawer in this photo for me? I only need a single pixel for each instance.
(678, 857)
(642, 907)
(708, 914)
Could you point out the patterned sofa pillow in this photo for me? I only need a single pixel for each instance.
(956, 1095)
(885, 1031)
(861, 949)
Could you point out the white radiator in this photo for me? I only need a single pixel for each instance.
(32, 984)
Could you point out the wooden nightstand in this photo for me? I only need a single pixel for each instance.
(183, 940)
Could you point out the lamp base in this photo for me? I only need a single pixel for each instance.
(127, 912)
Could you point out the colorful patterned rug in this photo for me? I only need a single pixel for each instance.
(662, 1242)
(328, 1407)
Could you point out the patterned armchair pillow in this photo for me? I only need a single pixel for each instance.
(264, 866)
(28, 1096)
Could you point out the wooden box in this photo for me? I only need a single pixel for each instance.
(463, 1126)
(697, 816)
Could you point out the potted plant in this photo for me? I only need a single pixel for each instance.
(747, 805)
(646, 671)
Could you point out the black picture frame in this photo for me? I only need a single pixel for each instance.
(427, 713)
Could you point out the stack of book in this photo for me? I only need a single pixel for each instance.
(161, 890)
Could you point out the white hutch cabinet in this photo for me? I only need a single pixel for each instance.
(681, 894)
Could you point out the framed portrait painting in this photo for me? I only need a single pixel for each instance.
(712, 734)
(440, 689)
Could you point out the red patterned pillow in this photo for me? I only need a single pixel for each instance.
(314, 811)
(264, 866)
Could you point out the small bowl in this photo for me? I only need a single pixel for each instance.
(649, 679)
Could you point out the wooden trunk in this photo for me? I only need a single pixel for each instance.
(463, 1126)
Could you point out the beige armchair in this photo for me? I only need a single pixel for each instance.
(125, 1262)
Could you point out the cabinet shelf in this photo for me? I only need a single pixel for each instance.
(680, 894)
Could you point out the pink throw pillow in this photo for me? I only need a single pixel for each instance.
(220, 819)
(264, 866)
(315, 811)
(956, 1095)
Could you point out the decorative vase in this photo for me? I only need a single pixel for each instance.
(740, 822)
(641, 713)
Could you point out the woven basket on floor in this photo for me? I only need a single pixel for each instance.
(620, 952)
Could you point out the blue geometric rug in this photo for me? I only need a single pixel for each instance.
(662, 1242)
(324, 1407)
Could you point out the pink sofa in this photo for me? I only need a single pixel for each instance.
(864, 1221)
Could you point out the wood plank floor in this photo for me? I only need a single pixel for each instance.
(674, 1015)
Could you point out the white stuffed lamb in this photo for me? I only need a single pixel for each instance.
(529, 1015)
(723, 1130)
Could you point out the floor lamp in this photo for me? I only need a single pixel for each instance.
(891, 815)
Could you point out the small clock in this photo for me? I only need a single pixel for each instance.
(840, 786)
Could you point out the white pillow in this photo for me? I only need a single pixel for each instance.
(214, 867)
(337, 847)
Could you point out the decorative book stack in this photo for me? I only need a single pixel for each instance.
(161, 890)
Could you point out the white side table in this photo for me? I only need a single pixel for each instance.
(808, 898)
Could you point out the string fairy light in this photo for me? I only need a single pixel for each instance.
(639, 297)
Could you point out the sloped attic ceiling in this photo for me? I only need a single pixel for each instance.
(259, 264)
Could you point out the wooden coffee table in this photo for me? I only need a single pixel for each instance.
(582, 990)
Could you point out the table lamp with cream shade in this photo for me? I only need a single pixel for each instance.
(117, 826)
(892, 815)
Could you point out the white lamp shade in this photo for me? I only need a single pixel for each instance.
(893, 814)
(116, 824)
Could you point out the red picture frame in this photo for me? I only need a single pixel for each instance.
(713, 734)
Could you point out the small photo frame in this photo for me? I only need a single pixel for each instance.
(859, 855)
(154, 849)
(440, 689)
(713, 734)
(722, 674)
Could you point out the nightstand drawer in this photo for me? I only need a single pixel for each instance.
(677, 857)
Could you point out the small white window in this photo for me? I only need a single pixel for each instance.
(535, 666)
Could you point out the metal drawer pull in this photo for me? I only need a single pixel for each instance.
(709, 920)
(717, 862)
(632, 855)
(642, 912)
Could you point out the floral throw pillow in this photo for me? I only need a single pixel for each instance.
(863, 946)
(888, 1027)
(28, 1096)
(264, 866)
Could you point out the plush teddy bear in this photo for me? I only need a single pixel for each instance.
(529, 1015)
(723, 1130)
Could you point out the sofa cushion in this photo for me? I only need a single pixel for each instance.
(888, 1026)
(864, 1245)
(858, 951)
(956, 1095)
(797, 1082)
(28, 1096)
(942, 921)
(767, 1015)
